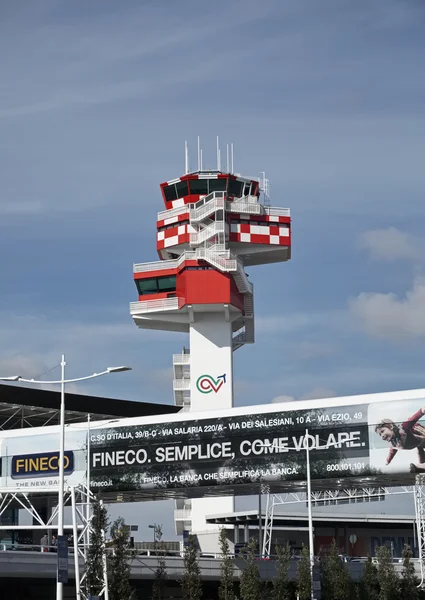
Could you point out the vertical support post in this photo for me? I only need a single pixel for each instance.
(260, 537)
(246, 533)
(268, 525)
(310, 514)
(186, 159)
(59, 586)
(75, 537)
(88, 478)
(105, 564)
(419, 497)
(236, 534)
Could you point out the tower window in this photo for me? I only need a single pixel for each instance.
(156, 285)
(199, 186)
(235, 188)
(217, 185)
(170, 192)
(182, 189)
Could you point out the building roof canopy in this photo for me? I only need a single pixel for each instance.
(34, 407)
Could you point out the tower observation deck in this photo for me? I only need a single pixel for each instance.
(215, 223)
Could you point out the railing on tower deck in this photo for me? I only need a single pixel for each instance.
(181, 384)
(276, 211)
(173, 212)
(247, 204)
(143, 306)
(181, 359)
(162, 265)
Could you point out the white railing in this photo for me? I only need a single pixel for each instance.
(207, 208)
(181, 359)
(275, 211)
(247, 204)
(161, 265)
(144, 306)
(221, 248)
(158, 265)
(207, 233)
(173, 212)
(221, 262)
(181, 384)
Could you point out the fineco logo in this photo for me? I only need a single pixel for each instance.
(207, 384)
(40, 465)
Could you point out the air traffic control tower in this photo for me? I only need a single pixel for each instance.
(215, 223)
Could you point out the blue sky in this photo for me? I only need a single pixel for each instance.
(328, 98)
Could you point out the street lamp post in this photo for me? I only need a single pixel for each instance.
(62, 381)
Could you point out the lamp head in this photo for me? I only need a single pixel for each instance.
(13, 378)
(118, 369)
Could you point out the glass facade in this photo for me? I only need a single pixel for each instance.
(156, 285)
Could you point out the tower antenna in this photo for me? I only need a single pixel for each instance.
(218, 155)
(227, 153)
(231, 152)
(186, 159)
(201, 160)
(199, 154)
(265, 188)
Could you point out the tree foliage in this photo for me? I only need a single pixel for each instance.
(94, 580)
(250, 582)
(369, 584)
(158, 587)
(119, 562)
(281, 585)
(408, 584)
(336, 582)
(191, 581)
(226, 590)
(304, 575)
(388, 580)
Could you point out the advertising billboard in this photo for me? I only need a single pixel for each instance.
(365, 440)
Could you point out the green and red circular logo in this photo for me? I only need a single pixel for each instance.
(207, 384)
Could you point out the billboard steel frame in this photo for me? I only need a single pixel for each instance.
(79, 499)
(342, 496)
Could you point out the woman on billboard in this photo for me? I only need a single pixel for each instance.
(407, 436)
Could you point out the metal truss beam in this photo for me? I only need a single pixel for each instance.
(79, 499)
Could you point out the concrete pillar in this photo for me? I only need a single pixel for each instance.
(236, 534)
(246, 533)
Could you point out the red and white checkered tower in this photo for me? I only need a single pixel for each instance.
(213, 225)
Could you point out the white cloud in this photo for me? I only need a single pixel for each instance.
(24, 365)
(315, 394)
(389, 317)
(391, 244)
